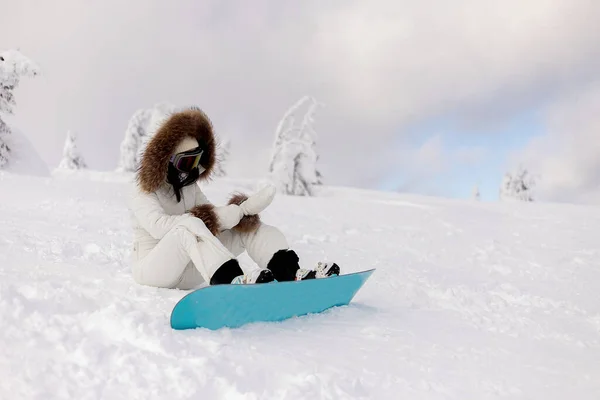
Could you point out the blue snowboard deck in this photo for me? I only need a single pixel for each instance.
(232, 306)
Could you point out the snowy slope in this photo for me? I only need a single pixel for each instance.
(24, 159)
(469, 301)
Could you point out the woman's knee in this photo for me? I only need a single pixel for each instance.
(192, 226)
(163, 264)
(271, 234)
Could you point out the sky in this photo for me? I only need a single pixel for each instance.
(430, 97)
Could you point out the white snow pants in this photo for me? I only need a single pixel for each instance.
(183, 260)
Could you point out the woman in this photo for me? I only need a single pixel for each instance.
(180, 238)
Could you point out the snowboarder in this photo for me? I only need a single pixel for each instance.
(180, 238)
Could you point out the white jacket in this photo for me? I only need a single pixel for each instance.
(155, 214)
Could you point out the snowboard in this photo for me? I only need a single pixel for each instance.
(219, 306)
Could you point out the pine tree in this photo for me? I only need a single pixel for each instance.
(141, 127)
(136, 130)
(309, 135)
(72, 158)
(476, 194)
(293, 167)
(283, 130)
(517, 186)
(4, 148)
(13, 66)
(223, 158)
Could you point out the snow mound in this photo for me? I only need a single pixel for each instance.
(24, 159)
(469, 300)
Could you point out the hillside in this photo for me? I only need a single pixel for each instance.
(469, 301)
(24, 158)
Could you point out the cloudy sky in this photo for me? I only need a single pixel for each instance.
(427, 97)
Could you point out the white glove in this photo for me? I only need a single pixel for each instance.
(258, 201)
(229, 216)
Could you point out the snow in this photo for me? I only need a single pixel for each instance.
(470, 300)
(17, 64)
(24, 158)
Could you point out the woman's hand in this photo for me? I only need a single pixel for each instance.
(258, 201)
(229, 216)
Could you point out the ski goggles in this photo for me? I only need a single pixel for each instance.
(188, 160)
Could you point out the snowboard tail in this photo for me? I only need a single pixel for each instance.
(218, 306)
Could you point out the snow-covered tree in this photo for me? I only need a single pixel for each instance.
(222, 158)
(136, 129)
(141, 127)
(517, 186)
(293, 167)
(13, 66)
(476, 194)
(309, 134)
(4, 147)
(285, 125)
(71, 158)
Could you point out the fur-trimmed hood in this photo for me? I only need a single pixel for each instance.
(193, 122)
